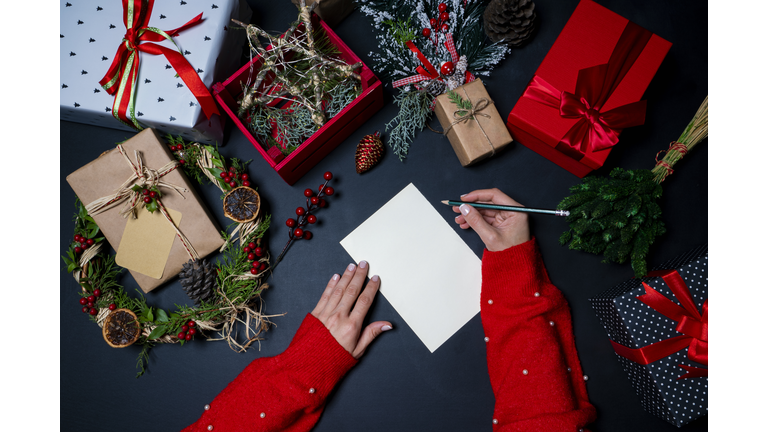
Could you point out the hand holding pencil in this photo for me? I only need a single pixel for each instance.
(498, 229)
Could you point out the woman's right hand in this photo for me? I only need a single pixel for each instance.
(498, 229)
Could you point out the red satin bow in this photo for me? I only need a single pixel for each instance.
(596, 129)
(692, 324)
(122, 76)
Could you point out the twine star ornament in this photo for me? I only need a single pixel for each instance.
(279, 57)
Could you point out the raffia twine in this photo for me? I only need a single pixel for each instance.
(694, 133)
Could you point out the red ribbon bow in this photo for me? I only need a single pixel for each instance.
(596, 129)
(121, 78)
(430, 72)
(692, 324)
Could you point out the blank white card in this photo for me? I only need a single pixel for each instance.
(428, 274)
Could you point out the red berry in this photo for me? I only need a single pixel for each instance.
(89, 304)
(447, 68)
(147, 199)
(112, 306)
(320, 188)
(97, 292)
(192, 331)
(91, 298)
(223, 174)
(255, 264)
(78, 249)
(263, 266)
(308, 192)
(93, 311)
(329, 191)
(145, 192)
(191, 323)
(328, 175)
(181, 335)
(300, 211)
(246, 183)
(442, 7)
(314, 200)
(298, 232)
(83, 301)
(258, 251)
(323, 203)
(444, 28)
(246, 249)
(86, 309)
(311, 219)
(426, 32)
(84, 246)
(254, 270)
(444, 17)
(152, 194)
(433, 22)
(251, 256)
(90, 242)
(77, 238)
(252, 245)
(188, 337)
(243, 176)
(233, 184)
(290, 223)
(307, 235)
(184, 328)
(231, 169)
(182, 161)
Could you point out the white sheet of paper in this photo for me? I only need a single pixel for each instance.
(428, 274)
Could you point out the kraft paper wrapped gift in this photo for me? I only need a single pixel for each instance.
(91, 34)
(103, 176)
(477, 136)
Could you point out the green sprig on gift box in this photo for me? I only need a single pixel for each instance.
(619, 217)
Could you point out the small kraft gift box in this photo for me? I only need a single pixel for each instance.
(144, 63)
(471, 122)
(293, 166)
(658, 327)
(587, 89)
(153, 246)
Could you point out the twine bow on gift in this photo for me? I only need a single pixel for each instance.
(430, 72)
(692, 324)
(462, 115)
(145, 178)
(596, 129)
(122, 76)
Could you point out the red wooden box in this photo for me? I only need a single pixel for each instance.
(337, 129)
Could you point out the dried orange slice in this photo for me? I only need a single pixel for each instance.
(242, 204)
(121, 328)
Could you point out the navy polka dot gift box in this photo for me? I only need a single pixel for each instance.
(658, 328)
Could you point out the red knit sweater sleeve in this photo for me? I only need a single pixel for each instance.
(535, 372)
(286, 392)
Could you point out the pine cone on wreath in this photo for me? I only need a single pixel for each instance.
(369, 152)
(509, 21)
(198, 279)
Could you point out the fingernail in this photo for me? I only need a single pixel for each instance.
(386, 328)
(375, 278)
(351, 267)
(463, 196)
(335, 277)
(464, 209)
(456, 218)
(363, 264)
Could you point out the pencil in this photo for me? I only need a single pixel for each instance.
(508, 208)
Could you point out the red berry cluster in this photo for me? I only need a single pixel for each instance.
(82, 243)
(178, 148)
(253, 252)
(233, 179)
(437, 24)
(89, 303)
(149, 195)
(187, 331)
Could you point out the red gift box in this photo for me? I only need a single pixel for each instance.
(587, 89)
(331, 134)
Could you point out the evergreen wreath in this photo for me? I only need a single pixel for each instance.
(233, 292)
(420, 22)
(619, 217)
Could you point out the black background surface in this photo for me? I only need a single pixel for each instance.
(399, 385)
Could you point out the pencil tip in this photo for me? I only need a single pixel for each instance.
(444, 202)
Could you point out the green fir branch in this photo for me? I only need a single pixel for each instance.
(415, 111)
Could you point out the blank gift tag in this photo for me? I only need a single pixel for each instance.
(428, 274)
(147, 242)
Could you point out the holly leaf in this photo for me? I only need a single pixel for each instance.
(92, 230)
(136, 188)
(157, 332)
(72, 267)
(162, 316)
(151, 206)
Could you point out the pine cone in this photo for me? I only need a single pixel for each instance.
(509, 21)
(198, 279)
(369, 152)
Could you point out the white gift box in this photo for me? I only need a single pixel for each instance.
(91, 32)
